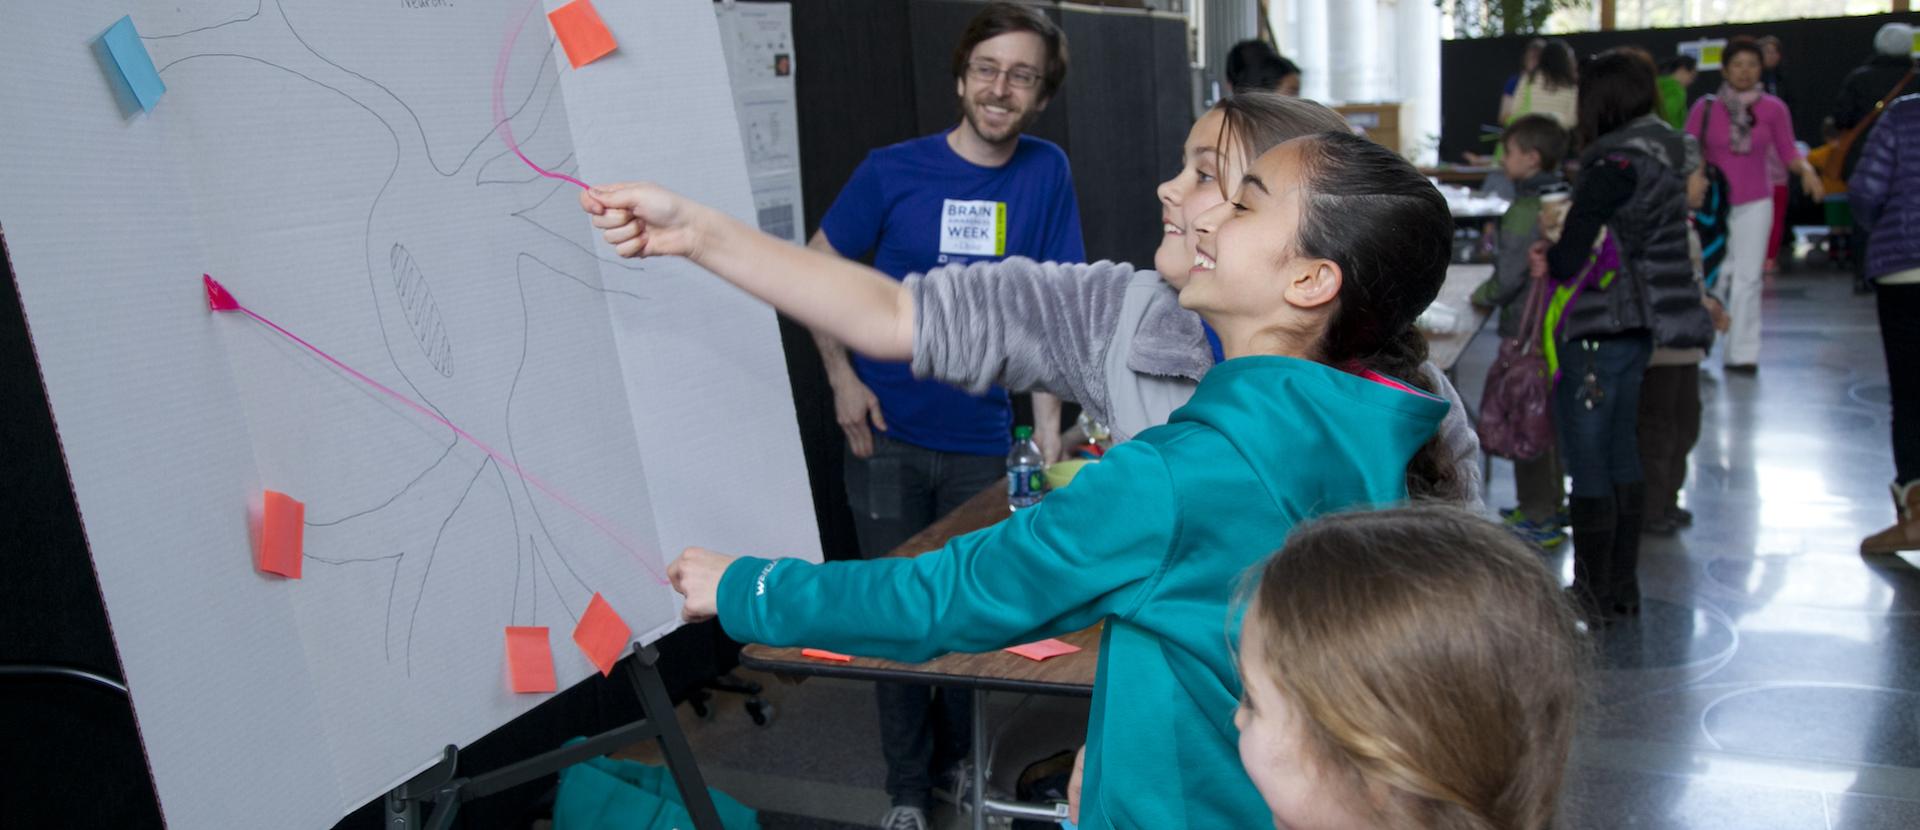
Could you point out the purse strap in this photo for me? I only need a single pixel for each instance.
(1534, 318)
(1706, 117)
(1843, 145)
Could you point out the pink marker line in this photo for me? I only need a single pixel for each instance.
(499, 102)
(219, 299)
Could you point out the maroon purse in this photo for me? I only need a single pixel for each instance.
(1516, 419)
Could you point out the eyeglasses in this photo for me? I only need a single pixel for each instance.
(1018, 77)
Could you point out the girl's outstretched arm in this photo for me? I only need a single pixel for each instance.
(853, 303)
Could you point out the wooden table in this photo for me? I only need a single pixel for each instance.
(1069, 675)
(1470, 175)
(1444, 349)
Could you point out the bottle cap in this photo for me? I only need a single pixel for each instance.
(1022, 433)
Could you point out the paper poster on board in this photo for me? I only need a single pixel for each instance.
(1705, 52)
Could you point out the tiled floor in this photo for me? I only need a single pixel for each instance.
(1773, 680)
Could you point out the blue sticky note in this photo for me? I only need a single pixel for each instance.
(135, 66)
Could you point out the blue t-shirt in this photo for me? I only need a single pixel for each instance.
(918, 205)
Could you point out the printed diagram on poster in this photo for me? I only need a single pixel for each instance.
(423, 458)
(759, 43)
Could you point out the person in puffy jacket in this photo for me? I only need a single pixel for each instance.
(1885, 195)
(1617, 295)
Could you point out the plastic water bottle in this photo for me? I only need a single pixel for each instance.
(1026, 470)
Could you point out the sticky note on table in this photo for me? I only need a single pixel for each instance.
(582, 34)
(823, 654)
(132, 66)
(529, 660)
(282, 523)
(602, 634)
(1044, 649)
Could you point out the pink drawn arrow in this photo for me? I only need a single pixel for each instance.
(220, 299)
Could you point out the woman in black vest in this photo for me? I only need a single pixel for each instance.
(1617, 297)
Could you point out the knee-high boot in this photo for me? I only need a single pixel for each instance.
(1623, 570)
(1595, 523)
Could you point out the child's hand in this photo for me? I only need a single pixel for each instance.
(1814, 189)
(1537, 260)
(644, 220)
(1721, 322)
(696, 575)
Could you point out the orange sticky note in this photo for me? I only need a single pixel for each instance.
(281, 526)
(602, 634)
(529, 660)
(581, 32)
(1044, 649)
(823, 654)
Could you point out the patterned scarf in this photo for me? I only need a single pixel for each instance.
(1739, 117)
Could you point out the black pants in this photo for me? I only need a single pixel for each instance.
(1541, 485)
(1900, 336)
(1669, 427)
(894, 494)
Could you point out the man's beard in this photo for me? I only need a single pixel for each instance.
(1019, 119)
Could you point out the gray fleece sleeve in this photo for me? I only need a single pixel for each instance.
(1458, 439)
(1022, 324)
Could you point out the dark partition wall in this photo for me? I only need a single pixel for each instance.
(1815, 56)
(854, 76)
(1114, 143)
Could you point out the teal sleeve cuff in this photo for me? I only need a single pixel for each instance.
(744, 580)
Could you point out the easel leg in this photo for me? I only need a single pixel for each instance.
(658, 722)
(673, 743)
(977, 788)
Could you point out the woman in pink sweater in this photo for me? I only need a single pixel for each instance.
(1739, 128)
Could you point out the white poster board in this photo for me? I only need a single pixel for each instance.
(338, 168)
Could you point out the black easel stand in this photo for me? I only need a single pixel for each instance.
(441, 787)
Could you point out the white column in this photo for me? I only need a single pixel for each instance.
(1352, 29)
(1386, 64)
(1316, 80)
(1417, 53)
(1283, 16)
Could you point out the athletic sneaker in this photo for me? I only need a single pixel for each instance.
(1561, 517)
(1540, 534)
(904, 818)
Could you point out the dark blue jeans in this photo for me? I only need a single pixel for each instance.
(1596, 409)
(894, 494)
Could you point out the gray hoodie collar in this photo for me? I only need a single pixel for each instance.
(1170, 341)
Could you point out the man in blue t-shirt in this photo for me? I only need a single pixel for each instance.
(917, 449)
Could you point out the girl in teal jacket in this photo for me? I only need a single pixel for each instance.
(1312, 277)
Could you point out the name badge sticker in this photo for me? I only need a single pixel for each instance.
(973, 228)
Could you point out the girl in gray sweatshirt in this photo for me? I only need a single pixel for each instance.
(1105, 335)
